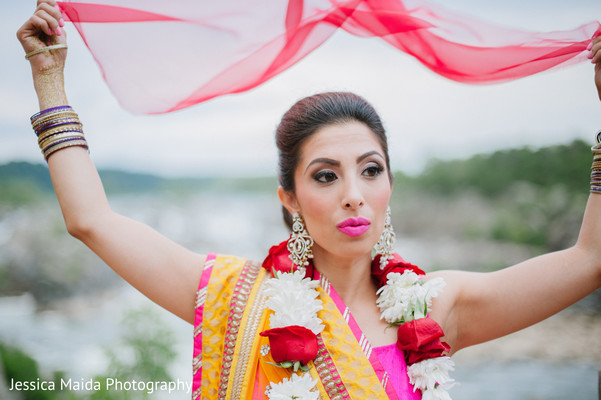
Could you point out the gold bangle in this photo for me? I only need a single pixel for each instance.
(58, 137)
(80, 143)
(52, 113)
(56, 116)
(60, 129)
(43, 49)
(55, 123)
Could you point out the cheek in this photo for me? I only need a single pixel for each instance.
(315, 206)
(379, 200)
(378, 197)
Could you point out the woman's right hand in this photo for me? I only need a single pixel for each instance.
(43, 29)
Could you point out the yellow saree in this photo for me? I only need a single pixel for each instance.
(232, 361)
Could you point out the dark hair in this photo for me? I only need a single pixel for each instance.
(312, 113)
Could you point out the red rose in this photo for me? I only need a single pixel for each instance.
(396, 264)
(279, 260)
(292, 343)
(420, 340)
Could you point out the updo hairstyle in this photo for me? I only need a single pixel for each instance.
(312, 113)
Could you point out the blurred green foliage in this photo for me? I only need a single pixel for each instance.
(534, 197)
(144, 354)
(493, 174)
(20, 367)
(23, 183)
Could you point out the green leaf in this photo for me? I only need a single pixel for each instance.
(274, 364)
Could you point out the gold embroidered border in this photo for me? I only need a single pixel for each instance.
(328, 374)
(201, 296)
(224, 277)
(197, 330)
(196, 364)
(247, 346)
(237, 305)
(355, 370)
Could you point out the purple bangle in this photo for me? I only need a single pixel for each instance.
(42, 125)
(48, 110)
(43, 128)
(78, 130)
(61, 141)
(47, 154)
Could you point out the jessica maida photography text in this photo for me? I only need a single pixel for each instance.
(107, 384)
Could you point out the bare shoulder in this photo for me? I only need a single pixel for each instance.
(444, 310)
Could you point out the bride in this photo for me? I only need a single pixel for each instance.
(320, 317)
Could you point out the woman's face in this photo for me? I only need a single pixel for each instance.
(342, 189)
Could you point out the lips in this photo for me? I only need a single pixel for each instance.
(354, 226)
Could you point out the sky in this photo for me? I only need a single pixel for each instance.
(426, 116)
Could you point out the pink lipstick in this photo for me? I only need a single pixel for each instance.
(354, 226)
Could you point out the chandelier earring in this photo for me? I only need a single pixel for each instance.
(300, 243)
(384, 247)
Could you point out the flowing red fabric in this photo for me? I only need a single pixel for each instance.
(159, 56)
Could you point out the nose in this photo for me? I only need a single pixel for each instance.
(353, 196)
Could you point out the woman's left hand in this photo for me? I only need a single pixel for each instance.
(595, 56)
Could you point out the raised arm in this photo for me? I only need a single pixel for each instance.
(475, 308)
(165, 272)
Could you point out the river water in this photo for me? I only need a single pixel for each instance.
(73, 333)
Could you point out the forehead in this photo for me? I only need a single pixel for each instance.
(336, 141)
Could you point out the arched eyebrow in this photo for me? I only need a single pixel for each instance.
(322, 160)
(334, 163)
(369, 153)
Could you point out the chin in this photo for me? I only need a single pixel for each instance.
(359, 247)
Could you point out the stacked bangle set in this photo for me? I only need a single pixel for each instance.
(58, 128)
(596, 168)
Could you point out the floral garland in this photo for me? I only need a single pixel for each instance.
(404, 299)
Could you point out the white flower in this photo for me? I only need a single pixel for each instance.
(431, 374)
(406, 297)
(298, 387)
(265, 350)
(293, 299)
(436, 394)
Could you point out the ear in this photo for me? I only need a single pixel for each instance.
(288, 200)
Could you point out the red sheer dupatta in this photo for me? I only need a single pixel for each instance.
(162, 56)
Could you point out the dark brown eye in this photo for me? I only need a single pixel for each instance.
(325, 176)
(373, 170)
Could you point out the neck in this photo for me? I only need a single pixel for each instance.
(350, 276)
